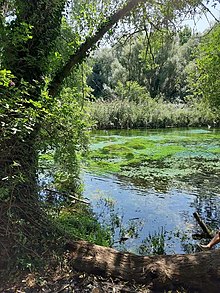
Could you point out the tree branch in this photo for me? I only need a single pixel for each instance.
(209, 11)
(85, 47)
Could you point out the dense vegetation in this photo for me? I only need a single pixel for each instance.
(43, 92)
(160, 80)
(152, 113)
(158, 61)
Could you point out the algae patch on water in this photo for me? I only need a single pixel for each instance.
(133, 152)
(154, 158)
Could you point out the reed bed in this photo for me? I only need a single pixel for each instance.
(151, 113)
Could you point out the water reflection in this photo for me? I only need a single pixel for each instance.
(155, 209)
(164, 194)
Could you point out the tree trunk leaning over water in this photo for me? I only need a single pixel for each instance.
(29, 40)
(84, 49)
(197, 272)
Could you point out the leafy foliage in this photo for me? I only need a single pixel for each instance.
(68, 115)
(155, 60)
(123, 113)
(205, 75)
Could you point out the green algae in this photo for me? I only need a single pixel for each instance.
(156, 156)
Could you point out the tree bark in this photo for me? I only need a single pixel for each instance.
(197, 272)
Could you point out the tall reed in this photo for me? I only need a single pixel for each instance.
(151, 113)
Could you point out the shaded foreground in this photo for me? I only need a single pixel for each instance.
(65, 279)
(87, 267)
(197, 272)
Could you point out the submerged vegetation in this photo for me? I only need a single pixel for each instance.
(174, 158)
(149, 173)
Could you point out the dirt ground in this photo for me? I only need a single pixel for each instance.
(63, 279)
(71, 282)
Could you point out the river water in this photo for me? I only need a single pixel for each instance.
(159, 209)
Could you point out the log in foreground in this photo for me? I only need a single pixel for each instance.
(199, 272)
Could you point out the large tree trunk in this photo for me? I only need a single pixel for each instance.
(18, 167)
(22, 220)
(17, 186)
(197, 272)
(20, 210)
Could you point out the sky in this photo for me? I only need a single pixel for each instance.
(203, 22)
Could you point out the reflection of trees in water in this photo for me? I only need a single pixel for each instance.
(204, 185)
(207, 201)
(208, 207)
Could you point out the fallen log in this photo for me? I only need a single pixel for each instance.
(197, 272)
(204, 227)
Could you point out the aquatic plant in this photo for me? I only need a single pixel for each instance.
(151, 113)
(112, 220)
(153, 244)
(157, 159)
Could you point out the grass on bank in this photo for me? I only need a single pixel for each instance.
(151, 113)
(81, 223)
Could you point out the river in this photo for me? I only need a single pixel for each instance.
(150, 189)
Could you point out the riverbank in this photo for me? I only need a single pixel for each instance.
(151, 114)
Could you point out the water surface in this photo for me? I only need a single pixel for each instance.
(157, 179)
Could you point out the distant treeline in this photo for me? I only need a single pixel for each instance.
(165, 81)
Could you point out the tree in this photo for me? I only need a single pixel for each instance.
(169, 73)
(101, 74)
(156, 60)
(107, 71)
(184, 35)
(30, 91)
(205, 74)
(29, 33)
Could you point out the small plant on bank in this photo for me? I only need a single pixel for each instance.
(81, 223)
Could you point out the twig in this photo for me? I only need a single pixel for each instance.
(64, 193)
(209, 11)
